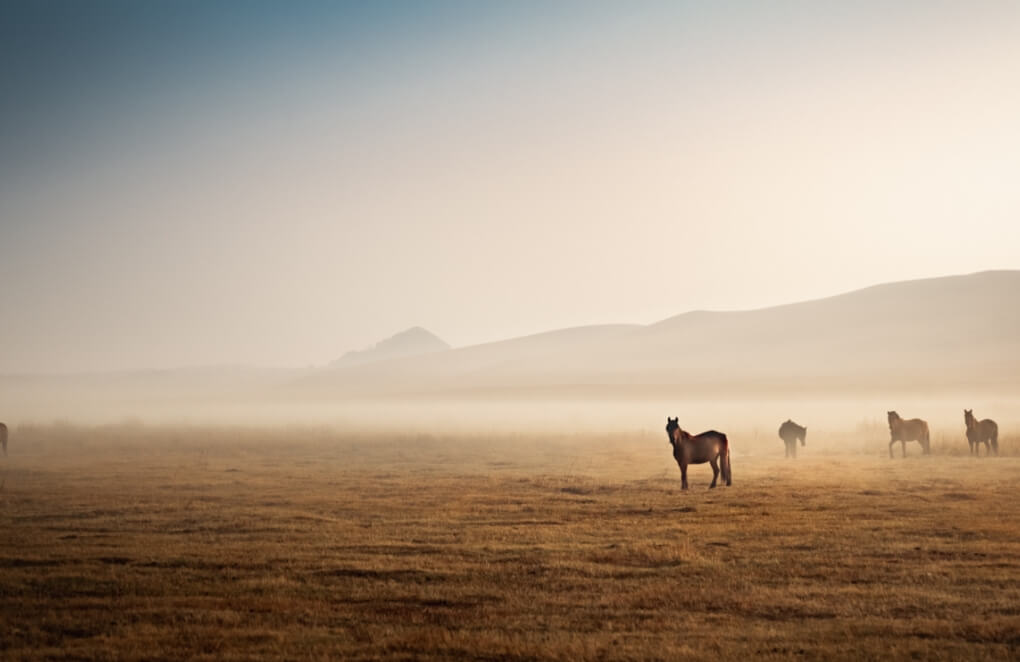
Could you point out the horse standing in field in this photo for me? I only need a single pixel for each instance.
(981, 432)
(712, 447)
(790, 432)
(903, 431)
(3, 437)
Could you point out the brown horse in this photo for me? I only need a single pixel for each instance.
(3, 437)
(790, 432)
(711, 446)
(981, 432)
(908, 430)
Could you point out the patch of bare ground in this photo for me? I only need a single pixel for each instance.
(290, 548)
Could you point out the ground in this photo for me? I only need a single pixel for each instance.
(132, 543)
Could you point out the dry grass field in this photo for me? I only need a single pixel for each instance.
(136, 543)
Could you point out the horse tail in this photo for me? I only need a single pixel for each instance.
(3, 437)
(726, 459)
(995, 437)
(927, 439)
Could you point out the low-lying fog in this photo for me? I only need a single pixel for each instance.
(834, 423)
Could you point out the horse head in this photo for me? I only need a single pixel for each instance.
(968, 417)
(893, 416)
(672, 424)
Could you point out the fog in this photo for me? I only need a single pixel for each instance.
(836, 365)
(851, 423)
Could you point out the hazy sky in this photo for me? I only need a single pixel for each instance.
(275, 183)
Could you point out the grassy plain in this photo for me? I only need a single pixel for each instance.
(136, 543)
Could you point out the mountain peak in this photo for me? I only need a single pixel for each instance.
(410, 342)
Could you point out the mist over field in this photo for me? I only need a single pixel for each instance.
(836, 364)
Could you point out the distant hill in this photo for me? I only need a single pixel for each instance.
(412, 342)
(941, 335)
(933, 334)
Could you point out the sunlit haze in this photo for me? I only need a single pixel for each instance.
(275, 184)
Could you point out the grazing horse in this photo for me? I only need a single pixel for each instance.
(790, 432)
(908, 430)
(981, 432)
(711, 446)
(3, 437)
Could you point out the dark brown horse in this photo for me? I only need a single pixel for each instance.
(790, 432)
(981, 432)
(711, 446)
(903, 431)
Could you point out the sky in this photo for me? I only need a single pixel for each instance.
(276, 183)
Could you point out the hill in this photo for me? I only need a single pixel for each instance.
(412, 342)
(932, 334)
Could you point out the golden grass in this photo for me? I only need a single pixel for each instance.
(136, 543)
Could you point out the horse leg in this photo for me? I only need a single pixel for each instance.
(890, 448)
(729, 469)
(683, 475)
(793, 449)
(903, 444)
(786, 448)
(715, 470)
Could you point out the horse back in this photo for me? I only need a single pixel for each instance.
(910, 429)
(705, 447)
(715, 439)
(983, 429)
(790, 431)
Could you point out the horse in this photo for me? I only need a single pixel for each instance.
(3, 437)
(790, 432)
(711, 446)
(981, 432)
(908, 430)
